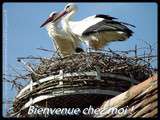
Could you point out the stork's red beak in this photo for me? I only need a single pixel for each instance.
(47, 21)
(54, 18)
(60, 15)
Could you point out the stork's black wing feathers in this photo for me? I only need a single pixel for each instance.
(108, 25)
(107, 17)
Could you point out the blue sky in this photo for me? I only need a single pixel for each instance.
(22, 33)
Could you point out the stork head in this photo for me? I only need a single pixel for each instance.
(51, 18)
(71, 7)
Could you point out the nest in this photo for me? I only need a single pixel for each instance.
(84, 71)
(132, 67)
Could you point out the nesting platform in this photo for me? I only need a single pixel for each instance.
(80, 80)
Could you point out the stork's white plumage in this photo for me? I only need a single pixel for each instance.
(97, 30)
(63, 43)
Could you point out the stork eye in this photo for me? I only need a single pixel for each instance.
(67, 6)
(54, 14)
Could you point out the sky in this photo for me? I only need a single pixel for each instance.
(22, 33)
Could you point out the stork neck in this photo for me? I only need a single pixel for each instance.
(53, 28)
(70, 16)
(66, 20)
(50, 27)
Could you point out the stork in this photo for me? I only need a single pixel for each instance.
(96, 30)
(60, 39)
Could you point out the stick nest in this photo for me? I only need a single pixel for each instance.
(132, 67)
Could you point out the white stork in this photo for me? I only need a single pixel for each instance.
(63, 43)
(97, 30)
